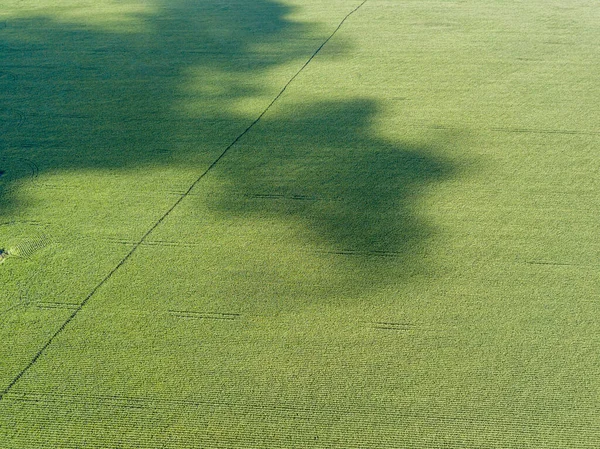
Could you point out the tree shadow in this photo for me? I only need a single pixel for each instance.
(75, 98)
(82, 99)
(321, 165)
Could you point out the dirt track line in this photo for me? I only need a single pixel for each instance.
(204, 315)
(581, 132)
(158, 222)
(555, 264)
(56, 305)
(353, 253)
(546, 131)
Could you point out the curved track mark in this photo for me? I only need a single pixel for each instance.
(11, 118)
(33, 168)
(12, 169)
(7, 76)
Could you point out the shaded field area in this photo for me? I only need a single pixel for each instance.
(299, 224)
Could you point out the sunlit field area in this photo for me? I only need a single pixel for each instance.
(299, 224)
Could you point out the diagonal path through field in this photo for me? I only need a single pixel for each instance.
(156, 224)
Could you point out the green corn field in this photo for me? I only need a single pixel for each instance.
(299, 224)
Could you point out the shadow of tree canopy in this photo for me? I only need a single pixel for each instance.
(320, 164)
(79, 98)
